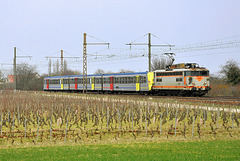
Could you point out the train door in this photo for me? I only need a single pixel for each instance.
(61, 83)
(111, 83)
(76, 83)
(47, 84)
(93, 84)
(137, 83)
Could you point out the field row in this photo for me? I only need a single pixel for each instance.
(37, 117)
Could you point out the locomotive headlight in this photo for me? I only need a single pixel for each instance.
(193, 83)
(205, 83)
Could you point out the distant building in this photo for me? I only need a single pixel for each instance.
(11, 78)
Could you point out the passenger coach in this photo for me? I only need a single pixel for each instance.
(101, 83)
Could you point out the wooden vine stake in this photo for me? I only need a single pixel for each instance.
(132, 121)
(25, 122)
(146, 122)
(107, 116)
(233, 119)
(176, 121)
(119, 119)
(161, 124)
(38, 127)
(13, 126)
(193, 125)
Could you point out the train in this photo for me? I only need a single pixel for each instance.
(184, 79)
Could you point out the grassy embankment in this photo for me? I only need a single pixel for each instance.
(200, 150)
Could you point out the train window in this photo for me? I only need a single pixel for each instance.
(72, 81)
(80, 81)
(187, 73)
(159, 79)
(125, 80)
(115, 80)
(54, 81)
(65, 81)
(120, 80)
(204, 73)
(98, 80)
(106, 80)
(196, 73)
(169, 73)
(177, 73)
(143, 79)
(131, 80)
(178, 79)
(135, 80)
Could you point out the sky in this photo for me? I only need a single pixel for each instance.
(41, 28)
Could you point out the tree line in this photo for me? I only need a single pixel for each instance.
(28, 77)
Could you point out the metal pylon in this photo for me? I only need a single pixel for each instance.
(84, 63)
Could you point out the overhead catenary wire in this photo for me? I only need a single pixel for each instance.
(117, 54)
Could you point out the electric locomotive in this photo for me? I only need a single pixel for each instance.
(180, 79)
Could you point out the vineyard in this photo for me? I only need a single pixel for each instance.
(38, 117)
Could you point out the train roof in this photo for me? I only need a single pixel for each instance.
(95, 75)
(179, 70)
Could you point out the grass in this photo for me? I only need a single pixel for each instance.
(197, 150)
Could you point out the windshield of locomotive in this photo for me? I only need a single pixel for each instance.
(197, 73)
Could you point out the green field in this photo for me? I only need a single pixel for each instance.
(200, 150)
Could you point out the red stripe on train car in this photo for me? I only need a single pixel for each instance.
(111, 83)
(47, 83)
(76, 81)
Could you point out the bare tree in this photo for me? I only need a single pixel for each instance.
(2, 79)
(28, 78)
(99, 71)
(162, 62)
(65, 66)
(66, 70)
(56, 68)
(158, 63)
(231, 72)
(126, 71)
